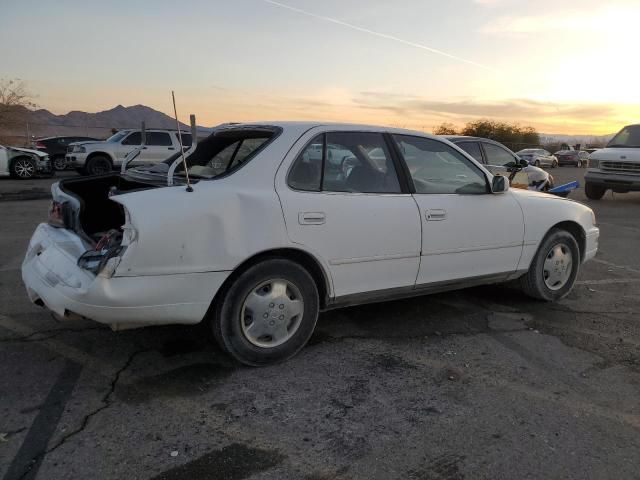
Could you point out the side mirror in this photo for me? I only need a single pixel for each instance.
(499, 184)
(523, 163)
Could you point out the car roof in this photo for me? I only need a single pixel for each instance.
(467, 138)
(304, 126)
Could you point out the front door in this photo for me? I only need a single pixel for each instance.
(342, 201)
(467, 232)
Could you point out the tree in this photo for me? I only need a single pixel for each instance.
(15, 102)
(512, 135)
(445, 128)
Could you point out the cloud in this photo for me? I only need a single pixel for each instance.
(377, 34)
(507, 109)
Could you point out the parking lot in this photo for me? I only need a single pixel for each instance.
(479, 383)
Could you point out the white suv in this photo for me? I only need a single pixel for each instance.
(271, 233)
(615, 167)
(94, 158)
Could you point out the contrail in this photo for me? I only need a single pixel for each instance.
(377, 34)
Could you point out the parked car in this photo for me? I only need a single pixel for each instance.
(538, 157)
(270, 234)
(499, 160)
(94, 158)
(24, 163)
(615, 167)
(574, 158)
(56, 148)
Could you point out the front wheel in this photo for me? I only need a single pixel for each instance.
(59, 163)
(594, 192)
(23, 168)
(537, 163)
(579, 164)
(267, 314)
(98, 165)
(554, 164)
(554, 269)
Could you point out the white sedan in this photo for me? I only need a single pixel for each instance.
(273, 232)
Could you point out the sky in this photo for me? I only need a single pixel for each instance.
(568, 66)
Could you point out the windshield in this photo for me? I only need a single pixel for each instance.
(226, 150)
(116, 137)
(628, 137)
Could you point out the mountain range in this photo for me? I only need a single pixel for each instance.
(43, 123)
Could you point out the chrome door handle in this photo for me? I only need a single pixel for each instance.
(435, 215)
(311, 218)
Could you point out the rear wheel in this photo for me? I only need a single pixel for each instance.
(594, 192)
(267, 314)
(554, 269)
(23, 168)
(579, 164)
(98, 165)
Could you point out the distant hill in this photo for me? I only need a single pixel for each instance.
(43, 123)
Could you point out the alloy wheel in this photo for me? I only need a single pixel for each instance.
(24, 168)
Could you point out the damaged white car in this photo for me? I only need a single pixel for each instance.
(288, 219)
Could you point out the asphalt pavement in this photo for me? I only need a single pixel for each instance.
(483, 383)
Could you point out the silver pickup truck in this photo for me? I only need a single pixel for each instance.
(615, 167)
(94, 158)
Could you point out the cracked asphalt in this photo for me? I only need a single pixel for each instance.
(476, 384)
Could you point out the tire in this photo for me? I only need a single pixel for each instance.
(594, 192)
(554, 164)
(579, 164)
(98, 165)
(254, 299)
(537, 163)
(23, 168)
(59, 163)
(554, 269)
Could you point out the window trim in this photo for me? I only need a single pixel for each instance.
(405, 188)
(157, 132)
(465, 156)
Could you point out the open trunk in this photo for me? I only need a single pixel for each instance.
(93, 213)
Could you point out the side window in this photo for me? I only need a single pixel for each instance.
(358, 162)
(133, 139)
(353, 162)
(436, 168)
(159, 139)
(497, 155)
(473, 149)
(306, 171)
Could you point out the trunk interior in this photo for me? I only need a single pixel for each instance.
(98, 214)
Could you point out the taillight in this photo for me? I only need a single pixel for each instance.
(41, 146)
(56, 214)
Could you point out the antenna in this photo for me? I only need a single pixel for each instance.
(184, 159)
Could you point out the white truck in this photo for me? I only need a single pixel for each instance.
(615, 167)
(95, 158)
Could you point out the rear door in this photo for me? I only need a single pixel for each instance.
(4, 161)
(343, 201)
(468, 233)
(159, 146)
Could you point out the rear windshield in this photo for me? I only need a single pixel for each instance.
(628, 137)
(226, 150)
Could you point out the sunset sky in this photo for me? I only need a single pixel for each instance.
(562, 66)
